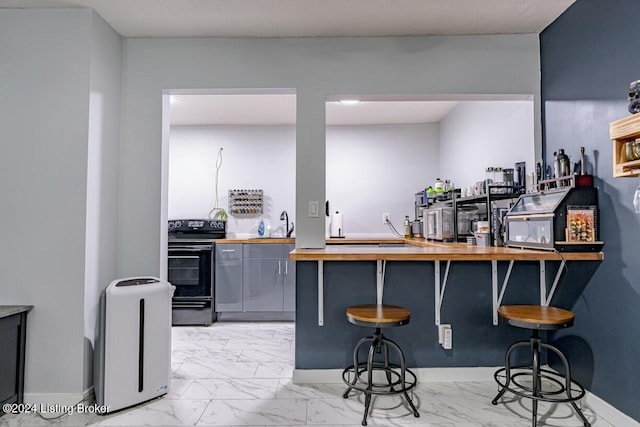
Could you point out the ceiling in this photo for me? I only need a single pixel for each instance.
(280, 109)
(315, 18)
(311, 18)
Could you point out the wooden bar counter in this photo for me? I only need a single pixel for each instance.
(383, 250)
(422, 250)
(417, 274)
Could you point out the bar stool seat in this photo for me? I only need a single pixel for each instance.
(378, 315)
(398, 379)
(527, 381)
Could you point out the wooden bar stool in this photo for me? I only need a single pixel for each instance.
(527, 381)
(398, 379)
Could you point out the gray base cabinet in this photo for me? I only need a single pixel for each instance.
(261, 284)
(254, 278)
(228, 278)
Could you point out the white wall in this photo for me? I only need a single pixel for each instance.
(102, 176)
(370, 170)
(253, 157)
(44, 116)
(59, 124)
(376, 169)
(479, 134)
(315, 68)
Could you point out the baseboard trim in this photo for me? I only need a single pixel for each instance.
(63, 399)
(334, 376)
(608, 412)
(431, 375)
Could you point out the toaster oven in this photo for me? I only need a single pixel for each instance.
(439, 223)
(539, 220)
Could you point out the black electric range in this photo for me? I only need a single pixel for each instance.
(191, 261)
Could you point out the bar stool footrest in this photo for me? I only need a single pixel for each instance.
(394, 385)
(558, 394)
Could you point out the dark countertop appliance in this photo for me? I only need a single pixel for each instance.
(539, 220)
(191, 257)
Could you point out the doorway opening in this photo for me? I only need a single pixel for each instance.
(400, 145)
(219, 146)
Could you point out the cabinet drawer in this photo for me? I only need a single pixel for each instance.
(263, 250)
(230, 252)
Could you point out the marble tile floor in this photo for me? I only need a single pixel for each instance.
(239, 374)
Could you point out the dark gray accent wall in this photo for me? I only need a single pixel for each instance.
(466, 306)
(589, 55)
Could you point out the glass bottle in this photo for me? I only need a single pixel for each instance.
(407, 227)
(439, 187)
(628, 151)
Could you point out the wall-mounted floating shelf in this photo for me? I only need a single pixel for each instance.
(245, 202)
(623, 131)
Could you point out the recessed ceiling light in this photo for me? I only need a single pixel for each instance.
(349, 101)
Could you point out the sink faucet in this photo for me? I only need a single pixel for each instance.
(284, 216)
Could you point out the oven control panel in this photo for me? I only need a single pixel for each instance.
(209, 227)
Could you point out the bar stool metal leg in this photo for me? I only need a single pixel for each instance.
(568, 382)
(535, 377)
(366, 376)
(403, 372)
(537, 373)
(507, 370)
(395, 375)
(356, 364)
(367, 393)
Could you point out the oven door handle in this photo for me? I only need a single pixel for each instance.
(189, 305)
(191, 248)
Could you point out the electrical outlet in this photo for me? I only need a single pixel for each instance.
(446, 339)
(386, 217)
(445, 336)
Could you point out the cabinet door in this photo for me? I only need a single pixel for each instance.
(262, 284)
(228, 278)
(263, 250)
(289, 301)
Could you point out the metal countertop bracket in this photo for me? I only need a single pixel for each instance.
(320, 293)
(497, 299)
(543, 283)
(552, 291)
(440, 287)
(380, 267)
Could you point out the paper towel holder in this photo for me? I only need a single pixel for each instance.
(336, 229)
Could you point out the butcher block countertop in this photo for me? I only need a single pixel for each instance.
(330, 241)
(368, 249)
(422, 250)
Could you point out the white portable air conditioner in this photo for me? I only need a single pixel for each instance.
(133, 342)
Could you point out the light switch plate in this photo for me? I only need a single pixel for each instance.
(313, 209)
